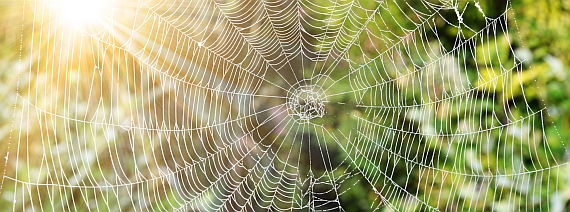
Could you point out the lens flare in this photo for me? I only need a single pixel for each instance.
(80, 12)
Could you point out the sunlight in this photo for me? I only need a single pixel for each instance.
(81, 12)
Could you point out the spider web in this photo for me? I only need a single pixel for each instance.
(275, 105)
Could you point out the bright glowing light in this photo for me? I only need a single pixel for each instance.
(81, 11)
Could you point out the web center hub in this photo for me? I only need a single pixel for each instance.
(306, 102)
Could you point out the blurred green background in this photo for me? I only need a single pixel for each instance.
(544, 44)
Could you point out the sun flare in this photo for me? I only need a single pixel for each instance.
(81, 12)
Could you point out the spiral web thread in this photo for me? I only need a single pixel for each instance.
(196, 106)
